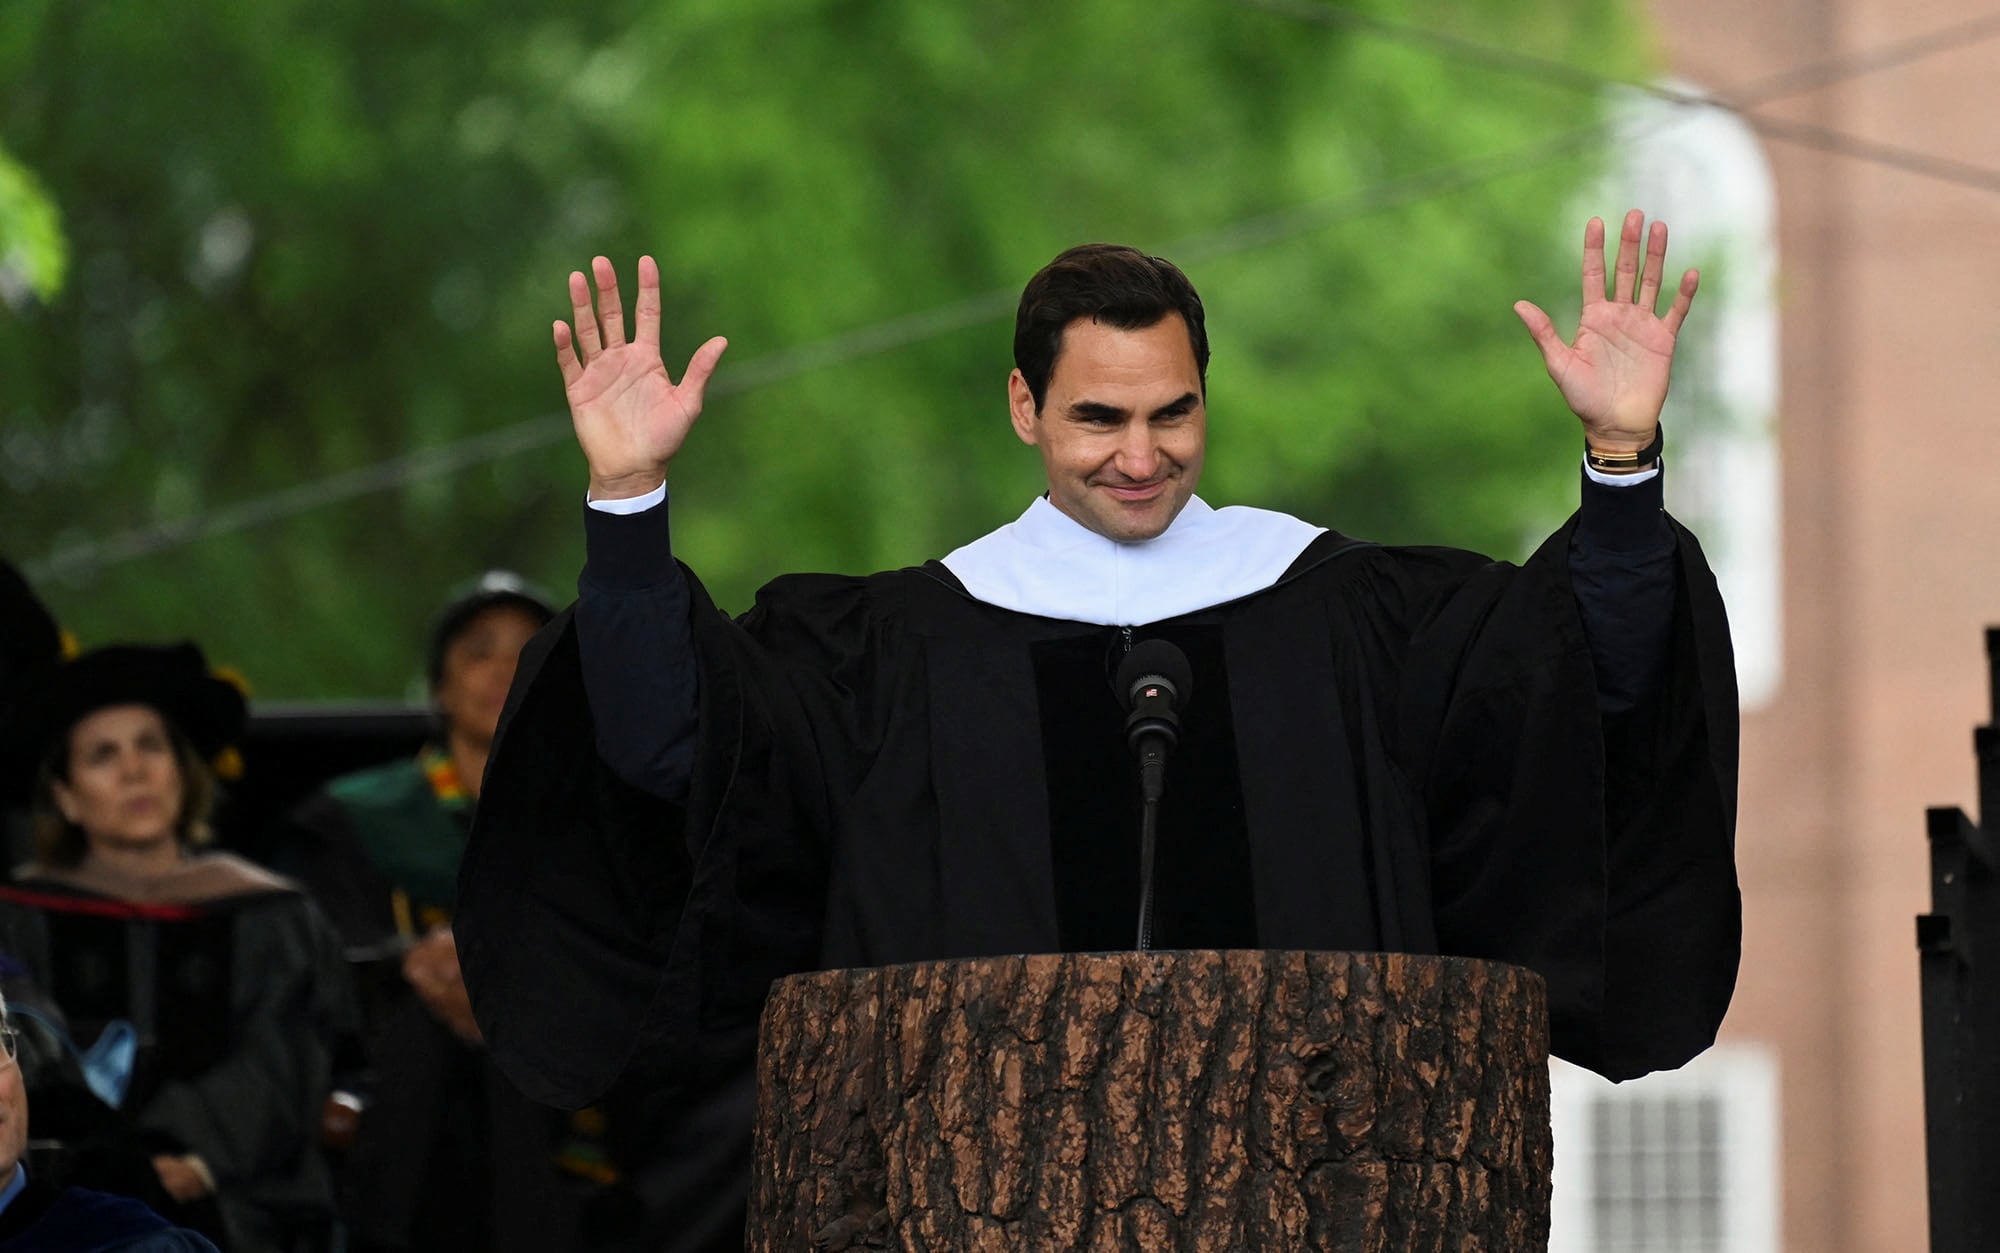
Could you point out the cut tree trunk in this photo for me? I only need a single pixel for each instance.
(1190, 1101)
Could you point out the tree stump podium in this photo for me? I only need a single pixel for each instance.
(1183, 1100)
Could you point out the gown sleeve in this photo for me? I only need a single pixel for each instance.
(1595, 846)
(604, 929)
(255, 1113)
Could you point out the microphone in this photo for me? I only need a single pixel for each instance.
(1155, 681)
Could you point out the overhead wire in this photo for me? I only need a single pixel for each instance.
(81, 558)
(1742, 102)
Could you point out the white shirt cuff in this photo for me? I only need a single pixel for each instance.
(629, 504)
(1609, 480)
(201, 1172)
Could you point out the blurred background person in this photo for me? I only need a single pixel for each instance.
(31, 645)
(36, 1214)
(196, 992)
(447, 1154)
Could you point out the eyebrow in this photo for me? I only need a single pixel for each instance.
(1097, 410)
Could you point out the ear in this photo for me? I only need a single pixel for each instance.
(65, 800)
(1021, 405)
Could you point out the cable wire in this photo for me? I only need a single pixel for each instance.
(1777, 86)
(83, 558)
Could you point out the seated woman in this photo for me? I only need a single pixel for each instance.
(199, 992)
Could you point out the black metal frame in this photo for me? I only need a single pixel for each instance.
(1958, 945)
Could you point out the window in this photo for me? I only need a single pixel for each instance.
(1702, 171)
(1683, 1162)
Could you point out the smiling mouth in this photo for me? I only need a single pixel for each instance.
(1136, 491)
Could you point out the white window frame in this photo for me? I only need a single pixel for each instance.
(1744, 1078)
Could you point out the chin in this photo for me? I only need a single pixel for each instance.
(1140, 532)
(133, 841)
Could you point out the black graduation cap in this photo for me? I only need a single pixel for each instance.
(172, 678)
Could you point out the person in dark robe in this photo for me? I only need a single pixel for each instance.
(31, 645)
(196, 995)
(1385, 748)
(36, 1216)
(447, 1154)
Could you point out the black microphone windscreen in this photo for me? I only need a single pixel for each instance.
(1159, 659)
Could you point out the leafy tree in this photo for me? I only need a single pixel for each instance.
(32, 250)
(309, 238)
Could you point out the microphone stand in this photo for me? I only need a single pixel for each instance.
(1154, 679)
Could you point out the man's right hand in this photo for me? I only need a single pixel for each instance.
(630, 417)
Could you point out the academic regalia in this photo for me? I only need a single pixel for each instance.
(229, 979)
(448, 1153)
(46, 1219)
(1386, 749)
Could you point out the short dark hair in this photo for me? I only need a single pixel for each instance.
(1116, 285)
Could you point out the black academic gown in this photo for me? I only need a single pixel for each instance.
(1404, 743)
(46, 1219)
(234, 1002)
(448, 1154)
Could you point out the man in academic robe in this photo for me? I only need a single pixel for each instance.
(36, 1216)
(1412, 749)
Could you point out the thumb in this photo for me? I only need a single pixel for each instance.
(695, 381)
(1544, 332)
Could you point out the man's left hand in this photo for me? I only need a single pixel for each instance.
(1614, 377)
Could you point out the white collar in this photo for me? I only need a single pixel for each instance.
(1047, 564)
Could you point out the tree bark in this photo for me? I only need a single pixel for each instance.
(1190, 1101)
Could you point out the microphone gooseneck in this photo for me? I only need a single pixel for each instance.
(1155, 681)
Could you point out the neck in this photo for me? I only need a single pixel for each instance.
(468, 757)
(134, 860)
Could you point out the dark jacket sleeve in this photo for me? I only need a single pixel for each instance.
(1594, 847)
(1621, 566)
(636, 648)
(254, 1115)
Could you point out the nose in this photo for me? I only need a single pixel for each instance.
(1138, 457)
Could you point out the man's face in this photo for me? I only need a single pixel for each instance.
(1122, 426)
(478, 669)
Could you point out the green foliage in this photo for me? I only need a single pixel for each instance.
(33, 254)
(312, 237)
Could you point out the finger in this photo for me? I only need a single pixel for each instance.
(647, 317)
(1656, 261)
(587, 344)
(1546, 337)
(1593, 261)
(695, 382)
(566, 361)
(1683, 300)
(1628, 256)
(610, 310)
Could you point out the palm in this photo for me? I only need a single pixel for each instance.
(630, 416)
(627, 410)
(1614, 376)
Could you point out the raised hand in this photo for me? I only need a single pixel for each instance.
(1614, 377)
(630, 417)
